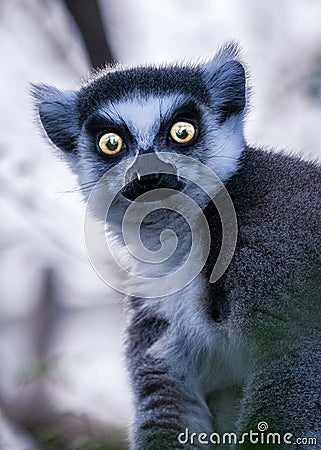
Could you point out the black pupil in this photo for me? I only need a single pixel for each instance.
(182, 133)
(112, 143)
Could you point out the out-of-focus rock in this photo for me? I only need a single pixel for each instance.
(14, 438)
(59, 348)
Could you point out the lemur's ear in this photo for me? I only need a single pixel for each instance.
(226, 81)
(58, 114)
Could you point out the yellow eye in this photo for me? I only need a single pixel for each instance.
(182, 132)
(110, 143)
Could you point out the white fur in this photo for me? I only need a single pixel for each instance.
(142, 116)
(223, 158)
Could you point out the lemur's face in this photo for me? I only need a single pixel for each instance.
(142, 131)
(121, 115)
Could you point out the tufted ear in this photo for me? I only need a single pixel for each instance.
(226, 80)
(58, 114)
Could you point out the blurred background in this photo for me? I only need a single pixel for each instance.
(63, 382)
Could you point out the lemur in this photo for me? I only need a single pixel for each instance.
(217, 357)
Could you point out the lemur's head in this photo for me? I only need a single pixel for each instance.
(120, 114)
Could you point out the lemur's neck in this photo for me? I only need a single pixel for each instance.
(164, 234)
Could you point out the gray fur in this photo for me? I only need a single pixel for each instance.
(219, 357)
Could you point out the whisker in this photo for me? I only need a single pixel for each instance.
(227, 157)
(83, 187)
(79, 188)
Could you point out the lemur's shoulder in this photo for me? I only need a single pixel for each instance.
(277, 198)
(271, 179)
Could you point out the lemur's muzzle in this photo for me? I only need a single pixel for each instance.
(149, 172)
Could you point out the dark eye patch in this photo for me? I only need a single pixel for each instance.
(97, 124)
(188, 110)
(184, 112)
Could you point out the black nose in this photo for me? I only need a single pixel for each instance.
(150, 181)
(147, 183)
